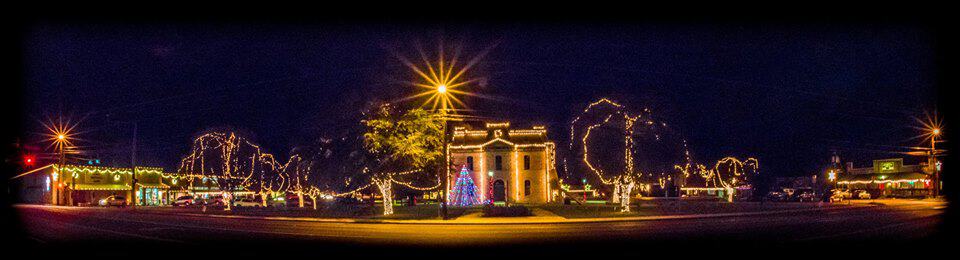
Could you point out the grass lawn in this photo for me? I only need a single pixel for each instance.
(647, 207)
(326, 210)
(422, 211)
(673, 207)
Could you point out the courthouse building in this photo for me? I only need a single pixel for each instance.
(507, 165)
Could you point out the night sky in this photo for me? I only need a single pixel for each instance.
(786, 94)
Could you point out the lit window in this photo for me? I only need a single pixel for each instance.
(470, 163)
(526, 188)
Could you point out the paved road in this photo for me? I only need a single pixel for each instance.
(52, 227)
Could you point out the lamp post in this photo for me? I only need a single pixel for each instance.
(441, 80)
(60, 137)
(133, 169)
(446, 162)
(933, 161)
(61, 160)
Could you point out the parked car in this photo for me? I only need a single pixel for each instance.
(294, 201)
(346, 200)
(185, 201)
(117, 201)
(805, 195)
(776, 196)
(216, 200)
(838, 195)
(246, 202)
(844, 194)
(862, 194)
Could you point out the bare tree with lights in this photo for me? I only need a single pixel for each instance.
(234, 163)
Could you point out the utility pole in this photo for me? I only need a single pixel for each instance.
(446, 166)
(933, 162)
(60, 189)
(133, 169)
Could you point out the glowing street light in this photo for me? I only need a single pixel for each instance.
(440, 81)
(61, 137)
(932, 128)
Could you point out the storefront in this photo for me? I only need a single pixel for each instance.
(85, 185)
(888, 178)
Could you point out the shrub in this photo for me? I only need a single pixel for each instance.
(506, 211)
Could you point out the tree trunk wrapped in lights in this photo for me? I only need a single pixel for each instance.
(624, 186)
(385, 186)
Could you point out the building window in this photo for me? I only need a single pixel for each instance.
(499, 163)
(526, 188)
(470, 163)
(526, 162)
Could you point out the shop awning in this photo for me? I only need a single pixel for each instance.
(883, 178)
(102, 187)
(153, 186)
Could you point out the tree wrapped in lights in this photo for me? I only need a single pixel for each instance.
(309, 169)
(728, 173)
(464, 192)
(400, 145)
(649, 148)
(732, 172)
(619, 173)
(234, 163)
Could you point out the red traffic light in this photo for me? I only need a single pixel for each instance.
(29, 160)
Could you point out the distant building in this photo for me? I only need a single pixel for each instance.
(508, 165)
(797, 182)
(888, 178)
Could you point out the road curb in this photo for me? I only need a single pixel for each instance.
(495, 222)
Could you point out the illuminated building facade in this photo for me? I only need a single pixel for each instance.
(507, 165)
(889, 178)
(87, 185)
(82, 185)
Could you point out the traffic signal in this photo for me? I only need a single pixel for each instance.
(29, 160)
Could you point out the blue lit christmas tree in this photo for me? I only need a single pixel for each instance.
(464, 193)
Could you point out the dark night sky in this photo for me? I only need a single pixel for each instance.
(784, 94)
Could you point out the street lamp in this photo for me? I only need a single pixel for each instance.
(933, 158)
(440, 81)
(60, 137)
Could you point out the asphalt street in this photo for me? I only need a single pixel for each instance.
(54, 227)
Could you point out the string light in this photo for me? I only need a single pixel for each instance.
(242, 165)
